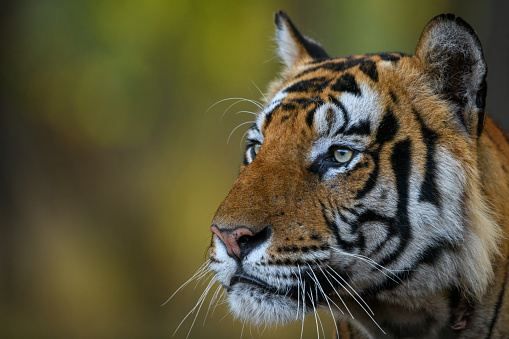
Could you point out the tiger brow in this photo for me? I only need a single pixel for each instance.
(344, 112)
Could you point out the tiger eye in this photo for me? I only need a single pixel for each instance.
(343, 155)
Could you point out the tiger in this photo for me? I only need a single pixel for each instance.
(374, 187)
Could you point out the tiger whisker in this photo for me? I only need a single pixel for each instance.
(371, 262)
(346, 289)
(346, 282)
(259, 105)
(214, 296)
(326, 297)
(228, 108)
(249, 112)
(354, 298)
(258, 88)
(200, 281)
(242, 124)
(240, 142)
(206, 292)
(298, 291)
(332, 285)
(303, 305)
(220, 300)
(202, 297)
(314, 311)
(199, 272)
(242, 331)
(318, 315)
(227, 314)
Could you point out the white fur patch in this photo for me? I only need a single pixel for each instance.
(287, 50)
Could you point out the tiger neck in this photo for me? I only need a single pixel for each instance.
(430, 317)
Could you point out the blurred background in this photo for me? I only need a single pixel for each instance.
(112, 163)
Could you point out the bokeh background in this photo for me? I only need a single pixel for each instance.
(112, 163)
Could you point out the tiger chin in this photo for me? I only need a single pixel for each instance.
(374, 187)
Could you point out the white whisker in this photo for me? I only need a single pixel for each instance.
(354, 298)
(249, 112)
(369, 261)
(314, 311)
(327, 298)
(242, 331)
(317, 284)
(214, 296)
(240, 100)
(199, 272)
(209, 286)
(242, 124)
(198, 303)
(340, 277)
(303, 305)
(258, 88)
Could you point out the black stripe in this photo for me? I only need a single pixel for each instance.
(268, 117)
(346, 118)
(305, 102)
(368, 67)
(330, 118)
(288, 106)
(285, 117)
(428, 256)
(309, 85)
(360, 128)
(401, 161)
(396, 277)
(394, 97)
(480, 102)
(373, 177)
(390, 56)
(340, 65)
(371, 216)
(346, 245)
(334, 66)
(254, 127)
(346, 83)
(429, 191)
(385, 133)
(310, 116)
(499, 303)
(387, 128)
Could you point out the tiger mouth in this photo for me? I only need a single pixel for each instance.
(292, 292)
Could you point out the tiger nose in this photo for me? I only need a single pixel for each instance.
(241, 240)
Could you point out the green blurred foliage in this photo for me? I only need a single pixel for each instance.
(112, 163)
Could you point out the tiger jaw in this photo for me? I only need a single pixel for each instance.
(261, 306)
(267, 293)
(255, 300)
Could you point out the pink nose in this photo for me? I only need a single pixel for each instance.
(233, 239)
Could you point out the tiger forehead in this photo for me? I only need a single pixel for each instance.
(366, 63)
(333, 87)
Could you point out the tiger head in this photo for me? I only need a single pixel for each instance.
(360, 181)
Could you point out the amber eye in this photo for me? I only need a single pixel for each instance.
(343, 155)
(256, 148)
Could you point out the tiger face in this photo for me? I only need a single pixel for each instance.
(360, 185)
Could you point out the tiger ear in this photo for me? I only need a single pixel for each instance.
(293, 47)
(453, 58)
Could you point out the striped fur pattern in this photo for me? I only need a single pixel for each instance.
(406, 235)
